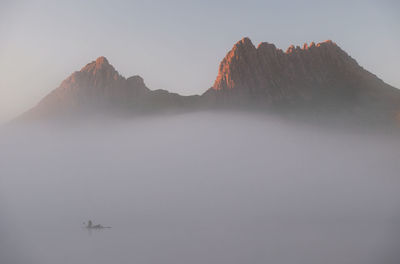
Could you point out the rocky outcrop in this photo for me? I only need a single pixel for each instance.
(316, 79)
(98, 88)
(96, 84)
(320, 77)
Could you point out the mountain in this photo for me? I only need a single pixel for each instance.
(315, 81)
(98, 89)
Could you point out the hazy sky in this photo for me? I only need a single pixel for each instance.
(176, 45)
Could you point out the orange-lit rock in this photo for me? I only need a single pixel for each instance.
(317, 76)
(99, 89)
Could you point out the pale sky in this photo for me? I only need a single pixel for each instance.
(176, 45)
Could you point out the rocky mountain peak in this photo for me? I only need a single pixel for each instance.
(99, 66)
(327, 42)
(102, 61)
(136, 79)
(265, 68)
(313, 76)
(96, 84)
(244, 42)
(241, 47)
(266, 46)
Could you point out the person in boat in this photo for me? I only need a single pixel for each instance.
(91, 226)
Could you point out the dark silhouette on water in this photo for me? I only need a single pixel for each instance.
(91, 226)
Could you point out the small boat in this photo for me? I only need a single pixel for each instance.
(91, 226)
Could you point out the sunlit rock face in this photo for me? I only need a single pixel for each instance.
(318, 80)
(99, 89)
(277, 74)
(313, 76)
(96, 84)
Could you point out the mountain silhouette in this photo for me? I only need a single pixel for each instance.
(316, 80)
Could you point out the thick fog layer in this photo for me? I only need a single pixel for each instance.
(199, 188)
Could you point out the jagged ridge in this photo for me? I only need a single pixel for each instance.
(316, 77)
(319, 77)
(276, 74)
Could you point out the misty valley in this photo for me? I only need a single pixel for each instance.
(200, 187)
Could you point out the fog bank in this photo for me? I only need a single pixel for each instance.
(199, 188)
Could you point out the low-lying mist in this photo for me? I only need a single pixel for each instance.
(199, 188)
